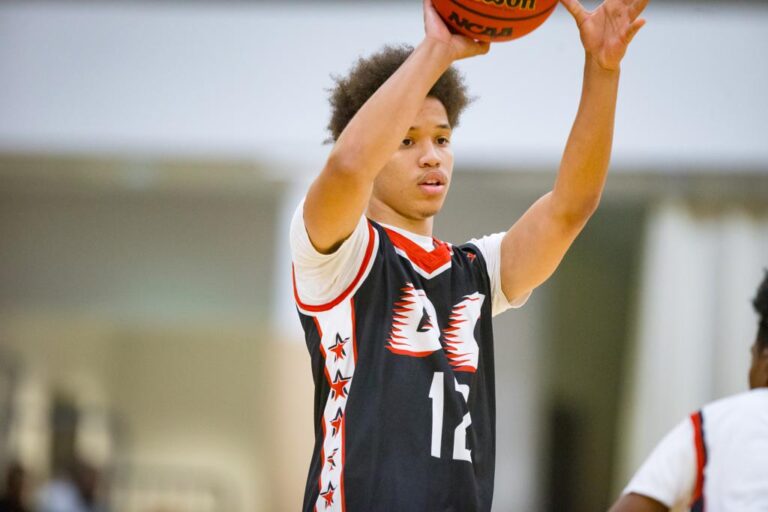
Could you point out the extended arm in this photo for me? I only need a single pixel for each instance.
(339, 195)
(533, 247)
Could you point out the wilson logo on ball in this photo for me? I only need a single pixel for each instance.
(494, 20)
(511, 4)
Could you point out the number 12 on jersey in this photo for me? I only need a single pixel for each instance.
(437, 395)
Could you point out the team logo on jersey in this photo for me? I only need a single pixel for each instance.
(414, 324)
(416, 332)
(459, 336)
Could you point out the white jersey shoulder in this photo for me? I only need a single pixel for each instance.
(735, 432)
(322, 279)
(736, 436)
(490, 247)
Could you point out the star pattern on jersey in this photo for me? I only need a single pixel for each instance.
(338, 386)
(328, 495)
(336, 422)
(331, 459)
(338, 347)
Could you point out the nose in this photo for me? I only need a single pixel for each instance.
(429, 156)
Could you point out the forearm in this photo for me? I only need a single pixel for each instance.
(533, 247)
(375, 132)
(587, 154)
(535, 244)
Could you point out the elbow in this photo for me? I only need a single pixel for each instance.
(578, 212)
(588, 206)
(344, 164)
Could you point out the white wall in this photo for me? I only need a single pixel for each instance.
(236, 79)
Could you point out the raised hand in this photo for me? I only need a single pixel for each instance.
(461, 46)
(607, 31)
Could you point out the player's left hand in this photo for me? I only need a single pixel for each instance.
(607, 31)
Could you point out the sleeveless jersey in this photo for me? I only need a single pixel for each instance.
(402, 363)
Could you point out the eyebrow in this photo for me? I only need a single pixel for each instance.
(441, 126)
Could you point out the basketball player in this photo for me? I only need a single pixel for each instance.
(398, 323)
(716, 459)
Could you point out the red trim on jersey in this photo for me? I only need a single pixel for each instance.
(322, 460)
(322, 349)
(320, 332)
(328, 376)
(428, 261)
(469, 369)
(335, 302)
(343, 459)
(354, 335)
(701, 456)
(344, 416)
(325, 356)
(322, 418)
(409, 352)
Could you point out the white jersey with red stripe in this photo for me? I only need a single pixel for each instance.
(398, 327)
(715, 460)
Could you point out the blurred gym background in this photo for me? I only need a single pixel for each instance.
(152, 152)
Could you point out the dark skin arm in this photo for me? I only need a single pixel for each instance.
(637, 503)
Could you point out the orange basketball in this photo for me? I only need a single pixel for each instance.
(494, 20)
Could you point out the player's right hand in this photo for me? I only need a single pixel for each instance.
(461, 47)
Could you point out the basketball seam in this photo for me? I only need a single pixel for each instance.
(500, 18)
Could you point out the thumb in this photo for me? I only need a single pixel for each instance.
(634, 28)
(576, 9)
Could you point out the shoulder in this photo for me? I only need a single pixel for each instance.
(488, 246)
(755, 400)
(488, 250)
(322, 280)
(668, 474)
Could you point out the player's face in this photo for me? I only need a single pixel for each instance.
(415, 181)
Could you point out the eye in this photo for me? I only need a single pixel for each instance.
(407, 142)
(443, 141)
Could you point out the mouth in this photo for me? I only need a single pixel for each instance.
(433, 183)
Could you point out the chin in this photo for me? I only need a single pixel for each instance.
(427, 213)
(418, 210)
(433, 208)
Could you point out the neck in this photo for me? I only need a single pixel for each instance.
(384, 214)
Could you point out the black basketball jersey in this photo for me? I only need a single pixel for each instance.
(404, 382)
